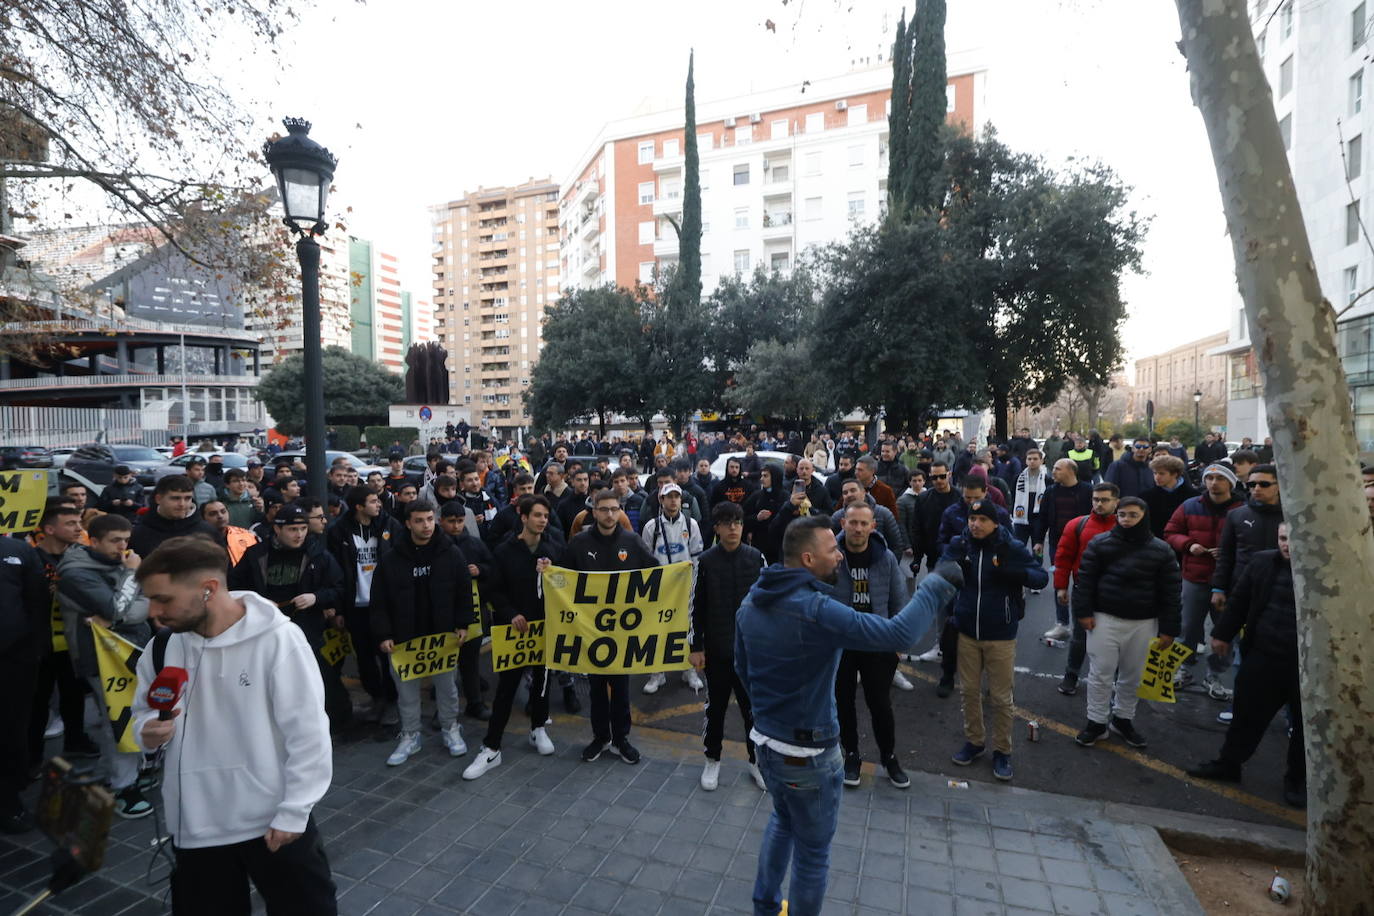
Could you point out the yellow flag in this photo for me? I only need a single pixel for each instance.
(117, 659)
(338, 644)
(633, 622)
(512, 649)
(1157, 682)
(22, 495)
(426, 656)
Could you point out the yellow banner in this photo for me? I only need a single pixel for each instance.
(22, 494)
(338, 644)
(426, 656)
(510, 649)
(117, 659)
(1157, 682)
(631, 622)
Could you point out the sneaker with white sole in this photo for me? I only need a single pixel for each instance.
(1182, 677)
(1058, 631)
(710, 775)
(933, 654)
(654, 682)
(1216, 689)
(408, 745)
(453, 740)
(693, 680)
(1225, 717)
(55, 727)
(755, 772)
(899, 680)
(486, 760)
(541, 741)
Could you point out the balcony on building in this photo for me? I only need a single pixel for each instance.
(666, 245)
(669, 203)
(586, 191)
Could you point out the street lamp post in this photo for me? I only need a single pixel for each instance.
(1197, 415)
(304, 170)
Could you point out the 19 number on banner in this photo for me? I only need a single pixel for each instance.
(632, 622)
(117, 659)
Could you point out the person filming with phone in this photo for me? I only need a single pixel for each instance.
(232, 689)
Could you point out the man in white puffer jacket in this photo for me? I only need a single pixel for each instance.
(248, 750)
(674, 537)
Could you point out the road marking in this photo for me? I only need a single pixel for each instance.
(672, 712)
(1273, 809)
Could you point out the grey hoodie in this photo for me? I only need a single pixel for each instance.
(91, 586)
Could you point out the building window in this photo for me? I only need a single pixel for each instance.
(741, 262)
(858, 115)
(780, 261)
(779, 130)
(1352, 222)
(1286, 131)
(742, 218)
(1354, 156)
(670, 149)
(646, 152)
(813, 163)
(646, 192)
(1286, 76)
(1352, 283)
(741, 175)
(856, 204)
(704, 142)
(813, 208)
(646, 271)
(1357, 92)
(815, 122)
(1357, 27)
(744, 135)
(646, 232)
(856, 155)
(1286, 19)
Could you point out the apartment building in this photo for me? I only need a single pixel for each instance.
(496, 266)
(1170, 379)
(781, 170)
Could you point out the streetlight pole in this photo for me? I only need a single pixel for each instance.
(304, 170)
(1197, 415)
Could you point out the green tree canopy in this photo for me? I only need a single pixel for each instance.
(357, 391)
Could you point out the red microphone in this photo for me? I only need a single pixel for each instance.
(166, 691)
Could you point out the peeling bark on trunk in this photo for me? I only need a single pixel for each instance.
(1308, 404)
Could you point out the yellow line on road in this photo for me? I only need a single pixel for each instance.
(1272, 809)
(672, 712)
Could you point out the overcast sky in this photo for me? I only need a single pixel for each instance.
(424, 100)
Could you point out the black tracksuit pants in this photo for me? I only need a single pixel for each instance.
(610, 706)
(337, 705)
(721, 681)
(875, 670)
(1265, 684)
(507, 685)
(18, 674)
(293, 881)
(55, 670)
(374, 670)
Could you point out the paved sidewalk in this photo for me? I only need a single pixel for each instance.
(556, 835)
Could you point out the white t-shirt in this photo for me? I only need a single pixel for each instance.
(367, 565)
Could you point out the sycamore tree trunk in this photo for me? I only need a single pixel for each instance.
(1308, 404)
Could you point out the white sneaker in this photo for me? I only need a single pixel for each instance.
(1216, 689)
(486, 759)
(453, 740)
(755, 772)
(541, 741)
(710, 775)
(1058, 631)
(693, 680)
(408, 745)
(654, 682)
(933, 654)
(900, 681)
(55, 727)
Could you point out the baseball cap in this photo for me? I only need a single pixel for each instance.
(290, 514)
(254, 463)
(669, 488)
(984, 507)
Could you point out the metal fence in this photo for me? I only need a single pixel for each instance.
(55, 427)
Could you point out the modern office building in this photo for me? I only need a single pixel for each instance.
(496, 262)
(781, 170)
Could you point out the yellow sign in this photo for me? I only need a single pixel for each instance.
(22, 495)
(1157, 682)
(338, 644)
(117, 659)
(426, 656)
(631, 622)
(511, 649)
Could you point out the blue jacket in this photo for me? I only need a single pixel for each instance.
(885, 585)
(789, 633)
(1131, 476)
(954, 522)
(996, 569)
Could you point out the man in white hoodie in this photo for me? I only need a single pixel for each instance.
(248, 752)
(674, 537)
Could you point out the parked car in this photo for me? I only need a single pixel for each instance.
(93, 464)
(24, 456)
(60, 455)
(178, 464)
(718, 466)
(362, 466)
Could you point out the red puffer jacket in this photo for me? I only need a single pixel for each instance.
(1198, 521)
(1068, 555)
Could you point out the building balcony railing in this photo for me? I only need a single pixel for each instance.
(122, 381)
(667, 246)
(668, 204)
(123, 325)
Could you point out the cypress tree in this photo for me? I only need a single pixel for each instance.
(924, 146)
(898, 120)
(688, 279)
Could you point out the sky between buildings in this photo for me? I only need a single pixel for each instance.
(424, 100)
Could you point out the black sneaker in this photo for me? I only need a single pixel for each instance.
(1091, 733)
(571, 704)
(945, 687)
(852, 765)
(896, 774)
(1217, 770)
(131, 805)
(81, 747)
(626, 751)
(1126, 730)
(478, 711)
(1069, 685)
(593, 750)
(149, 779)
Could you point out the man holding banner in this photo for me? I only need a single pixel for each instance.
(421, 592)
(96, 587)
(518, 562)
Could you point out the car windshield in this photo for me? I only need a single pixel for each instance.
(135, 453)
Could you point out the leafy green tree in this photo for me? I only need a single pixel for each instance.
(592, 363)
(767, 306)
(357, 391)
(778, 379)
(924, 146)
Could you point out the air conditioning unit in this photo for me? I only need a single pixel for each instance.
(755, 118)
(729, 122)
(841, 105)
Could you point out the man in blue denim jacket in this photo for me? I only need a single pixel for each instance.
(789, 634)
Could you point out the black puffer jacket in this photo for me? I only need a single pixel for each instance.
(724, 577)
(1130, 573)
(930, 507)
(28, 597)
(394, 603)
(152, 529)
(320, 574)
(514, 585)
(1251, 528)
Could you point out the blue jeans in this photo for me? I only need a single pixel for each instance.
(806, 809)
(1197, 610)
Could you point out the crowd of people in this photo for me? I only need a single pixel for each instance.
(1136, 551)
